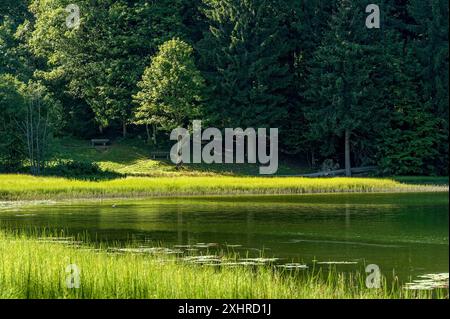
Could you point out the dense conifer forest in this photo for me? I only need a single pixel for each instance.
(312, 68)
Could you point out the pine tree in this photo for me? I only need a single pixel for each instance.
(244, 59)
(409, 144)
(343, 88)
(307, 24)
(13, 8)
(430, 29)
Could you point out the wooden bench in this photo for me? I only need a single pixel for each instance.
(160, 154)
(102, 142)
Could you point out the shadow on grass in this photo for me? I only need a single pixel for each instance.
(423, 180)
(132, 157)
(82, 170)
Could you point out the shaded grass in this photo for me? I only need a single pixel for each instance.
(25, 187)
(423, 180)
(132, 157)
(35, 269)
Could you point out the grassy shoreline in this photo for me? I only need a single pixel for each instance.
(37, 269)
(26, 187)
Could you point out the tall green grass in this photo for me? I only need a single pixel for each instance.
(423, 180)
(30, 268)
(25, 187)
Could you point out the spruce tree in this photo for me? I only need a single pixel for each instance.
(308, 21)
(244, 57)
(342, 85)
(409, 144)
(430, 29)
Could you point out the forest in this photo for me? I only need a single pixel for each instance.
(315, 167)
(336, 90)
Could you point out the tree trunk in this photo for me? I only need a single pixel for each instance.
(100, 129)
(348, 167)
(148, 133)
(155, 130)
(180, 162)
(124, 129)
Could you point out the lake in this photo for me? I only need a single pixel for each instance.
(405, 234)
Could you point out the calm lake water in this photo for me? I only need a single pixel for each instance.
(403, 233)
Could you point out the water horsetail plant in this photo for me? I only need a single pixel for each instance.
(33, 267)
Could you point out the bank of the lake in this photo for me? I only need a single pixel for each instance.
(32, 268)
(26, 187)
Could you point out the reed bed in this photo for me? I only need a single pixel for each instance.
(25, 187)
(32, 268)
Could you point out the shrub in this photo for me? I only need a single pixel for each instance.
(79, 169)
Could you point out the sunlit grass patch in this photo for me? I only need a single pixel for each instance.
(16, 187)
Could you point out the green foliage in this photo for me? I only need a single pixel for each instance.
(12, 106)
(15, 57)
(103, 59)
(29, 115)
(8, 63)
(16, 8)
(244, 58)
(430, 43)
(171, 90)
(310, 68)
(409, 146)
(410, 143)
(79, 170)
(343, 90)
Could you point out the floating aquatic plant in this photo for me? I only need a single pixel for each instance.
(146, 250)
(35, 269)
(260, 260)
(336, 262)
(429, 282)
(293, 266)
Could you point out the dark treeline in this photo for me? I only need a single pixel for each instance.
(335, 88)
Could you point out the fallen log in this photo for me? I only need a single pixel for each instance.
(339, 172)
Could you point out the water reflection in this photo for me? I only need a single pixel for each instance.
(403, 233)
